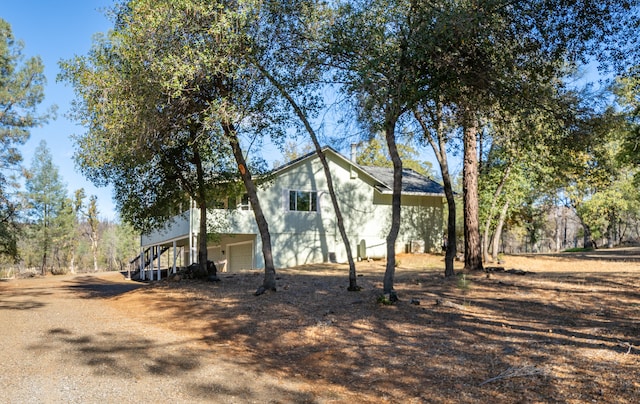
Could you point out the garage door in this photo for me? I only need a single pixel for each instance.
(240, 256)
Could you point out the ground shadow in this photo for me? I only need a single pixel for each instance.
(97, 287)
(625, 254)
(24, 298)
(548, 337)
(119, 354)
(128, 356)
(314, 329)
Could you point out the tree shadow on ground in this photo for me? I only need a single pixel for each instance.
(575, 343)
(27, 298)
(624, 254)
(88, 286)
(132, 357)
(118, 354)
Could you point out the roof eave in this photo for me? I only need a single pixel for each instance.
(413, 193)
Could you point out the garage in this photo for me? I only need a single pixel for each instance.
(240, 256)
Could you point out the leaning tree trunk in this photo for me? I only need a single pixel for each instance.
(353, 283)
(439, 146)
(269, 282)
(487, 223)
(495, 244)
(472, 248)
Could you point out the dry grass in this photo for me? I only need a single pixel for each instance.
(568, 331)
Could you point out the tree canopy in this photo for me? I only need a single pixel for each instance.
(175, 93)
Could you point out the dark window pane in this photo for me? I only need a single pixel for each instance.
(303, 201)
(245, 202)
(292, 200)
(314, 201)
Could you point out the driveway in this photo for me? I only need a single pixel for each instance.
(61, 343)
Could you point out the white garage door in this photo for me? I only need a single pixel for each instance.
(240, 256)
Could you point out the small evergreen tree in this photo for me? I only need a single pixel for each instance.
(45, 197)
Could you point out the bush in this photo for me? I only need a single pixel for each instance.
(59, 271)
(6, 273)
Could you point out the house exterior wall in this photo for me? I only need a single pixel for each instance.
(176, 228)
(309, 237)
(312, 236)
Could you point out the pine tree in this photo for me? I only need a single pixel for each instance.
(46, 194)
(21, 90)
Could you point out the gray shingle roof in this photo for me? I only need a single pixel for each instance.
(412, 182)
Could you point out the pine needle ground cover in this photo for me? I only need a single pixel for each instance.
(553, 328)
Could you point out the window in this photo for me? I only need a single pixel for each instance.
(244, 202)
(303, 201)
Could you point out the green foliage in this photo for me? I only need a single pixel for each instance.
(374, 154)
(627, 91)
(21, 91)
(387, 299)
(119, 243)
(151, 120)
(45, 197)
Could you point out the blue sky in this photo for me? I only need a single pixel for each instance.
(56, 30)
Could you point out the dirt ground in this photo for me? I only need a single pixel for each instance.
(562, 328)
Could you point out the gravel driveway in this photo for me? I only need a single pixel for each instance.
(62, 344)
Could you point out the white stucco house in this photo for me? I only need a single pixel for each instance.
(301, 218)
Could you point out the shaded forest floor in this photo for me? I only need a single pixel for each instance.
(568, 330)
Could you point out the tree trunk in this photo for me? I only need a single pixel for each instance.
(611, 230)
(392, 236)
(487, 223)
(269, 282)
(450, 252)
(202, 206)
(45, 245)
(439, 148)
(72, 264)
(558, 229)
(587, 241)
(495, 244)
(94, 250)
(472, 249)
(202, 240)
(353, 283)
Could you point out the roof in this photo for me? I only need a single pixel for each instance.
(413, 183)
